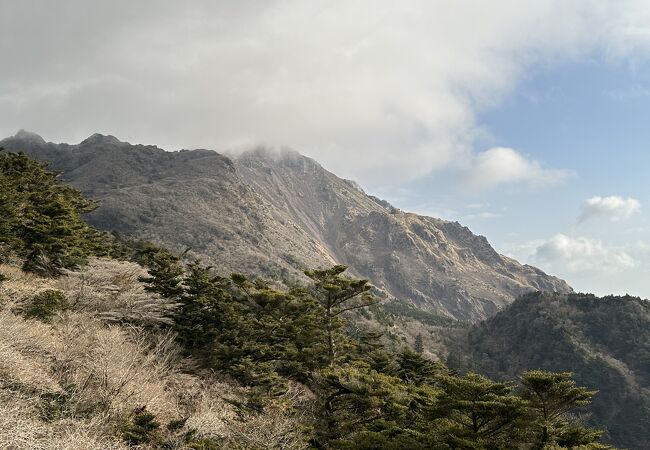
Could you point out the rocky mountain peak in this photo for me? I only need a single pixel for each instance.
(29, 137)
(101, 139)
(276, 212)
(277, 157)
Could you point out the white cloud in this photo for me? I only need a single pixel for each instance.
(501, 165)
(484, 215)
(590, 265)
(379, 91)
(614, 208)
(567, 254)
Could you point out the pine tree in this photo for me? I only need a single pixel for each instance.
(338, 294)
(41, 217)
(552, 396)
(164, 269)
(354, 398)
(142, 428)
(480, 411)
(414, 368)
(204, 312)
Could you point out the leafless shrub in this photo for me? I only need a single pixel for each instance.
(210, 413)
(111, 291)
(114, 368)
(277, 427)
(274, 429)
(20, 286)
(20, 429)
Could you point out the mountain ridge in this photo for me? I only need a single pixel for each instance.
(275, 213)
(604, 341)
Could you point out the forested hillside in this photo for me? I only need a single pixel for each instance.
(605, 342)
(111, 343)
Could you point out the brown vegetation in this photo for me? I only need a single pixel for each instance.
(71, 383)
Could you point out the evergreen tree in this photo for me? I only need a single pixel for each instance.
(354, 398)
(41, 217)
(478, 411)
(164, 269)
(338, 294)
(45, 305)
(205, 309)
(141, 428)
(552, 396)
(414, 368)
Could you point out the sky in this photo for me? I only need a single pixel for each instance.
(526, 121)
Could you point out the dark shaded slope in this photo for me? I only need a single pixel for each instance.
(604, 341)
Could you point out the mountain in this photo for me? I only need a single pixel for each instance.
(275, 213)
(604, 341)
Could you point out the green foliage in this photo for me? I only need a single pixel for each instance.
(415, 369)
(45, 305)
(259, 335)
(205, 310)
(354, 398)
(165, 270)
(552, 396)
(40, 217)
(140, 428)
(338, 294)
(604, 342)
(481, 411)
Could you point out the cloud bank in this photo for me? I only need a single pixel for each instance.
(379, 91)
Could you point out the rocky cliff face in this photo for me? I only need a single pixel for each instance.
(276, 213)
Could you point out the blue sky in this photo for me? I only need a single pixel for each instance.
(588, 116)
(524, 120)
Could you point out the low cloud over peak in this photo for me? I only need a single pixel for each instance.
(379, 91)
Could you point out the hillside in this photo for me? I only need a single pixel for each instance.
(277, 213)
(604, 341)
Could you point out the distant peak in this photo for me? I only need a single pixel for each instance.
(272, 155)
(29, 136)
(98, 138)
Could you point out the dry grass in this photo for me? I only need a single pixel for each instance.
(20, 286)
(102, 369)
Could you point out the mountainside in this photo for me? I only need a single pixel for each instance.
(277, 213)
(120, 344)
(604, 341)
